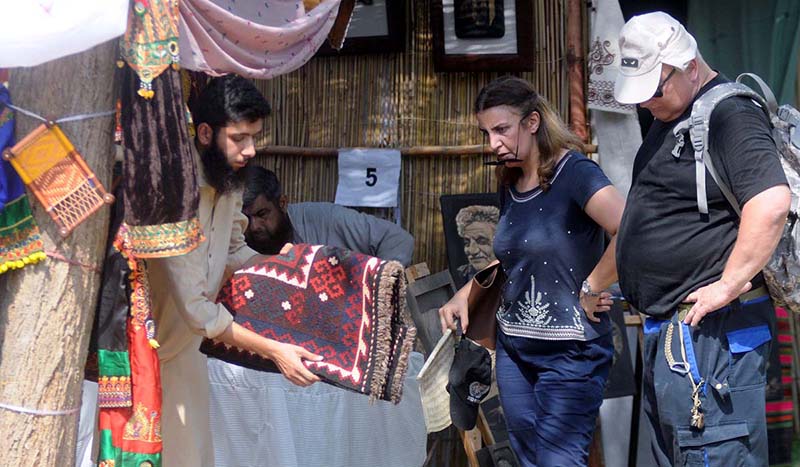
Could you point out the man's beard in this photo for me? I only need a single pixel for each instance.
(219, 172)
(272, 244)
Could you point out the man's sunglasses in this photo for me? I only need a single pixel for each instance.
(660, 89)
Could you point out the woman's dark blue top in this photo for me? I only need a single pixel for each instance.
(548, 246)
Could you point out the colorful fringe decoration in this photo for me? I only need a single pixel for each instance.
(345, 306)
(150, 44)
(780, 413)
(130, 422)
(20, 241)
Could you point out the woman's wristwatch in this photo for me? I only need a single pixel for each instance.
(586, 289)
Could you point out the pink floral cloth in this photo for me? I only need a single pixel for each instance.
(260, 39)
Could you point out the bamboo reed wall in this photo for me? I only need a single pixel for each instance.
(397, 100)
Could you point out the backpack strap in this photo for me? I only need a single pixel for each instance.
(698, 126)
(769, 96)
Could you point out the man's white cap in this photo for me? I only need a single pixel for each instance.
(645, 43)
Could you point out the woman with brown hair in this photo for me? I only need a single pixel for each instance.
(554, 344)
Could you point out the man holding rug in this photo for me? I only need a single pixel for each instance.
(257, 415)
(229, 114)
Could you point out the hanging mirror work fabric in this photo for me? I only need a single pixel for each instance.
(159, 174)
(150, 44)
(20, 240)
(129, 422)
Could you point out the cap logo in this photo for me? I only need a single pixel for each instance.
(476, 391)
(630, 62)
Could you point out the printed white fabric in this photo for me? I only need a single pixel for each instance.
(269, 421)
(615, 126)
(605, 22)
(260, 39)
(618, 138)
(37, 31)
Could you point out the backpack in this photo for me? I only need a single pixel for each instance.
(782, 272)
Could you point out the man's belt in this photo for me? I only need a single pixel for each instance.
(758, 292)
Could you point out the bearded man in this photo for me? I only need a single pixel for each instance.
(228, 115)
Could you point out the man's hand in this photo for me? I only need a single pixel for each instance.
(599, 304)
(289, 359)
(711, 297)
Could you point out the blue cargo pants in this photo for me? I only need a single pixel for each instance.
(726, 356)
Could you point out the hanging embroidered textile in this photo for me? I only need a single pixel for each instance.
(159, 174)
(150, 44)
(342, 305)
(37, 31)
(255, 39)
(129, 381)
(604, 57)
(20, 240)
(108, 344)
(780, 408)
(58, 176)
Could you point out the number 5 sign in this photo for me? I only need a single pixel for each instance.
(368, 177)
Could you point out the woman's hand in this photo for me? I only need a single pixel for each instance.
(289, 359)
(456, 308)
(592, 304)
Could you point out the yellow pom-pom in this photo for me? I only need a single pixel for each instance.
(19, 264)
(154, 343)
(26, 260)
(3, 267)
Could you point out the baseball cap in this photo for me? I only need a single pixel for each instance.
(645, 43)
(470, 379)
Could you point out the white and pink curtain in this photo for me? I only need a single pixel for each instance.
(260, 39)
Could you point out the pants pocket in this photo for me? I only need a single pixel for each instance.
(748, 355)
(718, 445)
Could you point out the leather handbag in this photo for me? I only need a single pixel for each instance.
(483, 302)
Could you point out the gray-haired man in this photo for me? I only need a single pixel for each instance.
(697, 274)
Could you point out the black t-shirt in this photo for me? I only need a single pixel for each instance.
(666, 249)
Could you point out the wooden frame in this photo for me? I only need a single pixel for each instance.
(461, 267)
(496, 55)
(394, 39)
(424, 296)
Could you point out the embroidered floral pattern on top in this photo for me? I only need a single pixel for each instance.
(532, 311)
(531, 317)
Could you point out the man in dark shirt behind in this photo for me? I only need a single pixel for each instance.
(697, 276)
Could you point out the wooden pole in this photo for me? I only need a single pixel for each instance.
(46, 310)
(575, 72)
(477, 149)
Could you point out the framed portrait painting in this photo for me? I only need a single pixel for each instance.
(376, 26)
(469, 222)
(482, 35)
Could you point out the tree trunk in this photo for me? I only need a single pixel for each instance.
(46, 310)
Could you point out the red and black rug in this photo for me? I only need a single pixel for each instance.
(343, 305)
